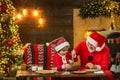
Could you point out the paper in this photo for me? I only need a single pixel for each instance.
(97, 72)
(46, 71)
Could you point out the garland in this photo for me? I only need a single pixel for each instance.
(100, 8)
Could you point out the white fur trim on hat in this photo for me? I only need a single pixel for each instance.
(100, 48)
(47, 44)
(92, 41)
(62, 45)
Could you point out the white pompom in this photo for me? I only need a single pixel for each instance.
(47, 44)
(98, 49)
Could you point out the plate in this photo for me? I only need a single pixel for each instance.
(46, 71)
(79, 72)
(90, 70)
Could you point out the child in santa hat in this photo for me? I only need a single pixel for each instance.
(62, 59)
(94, 54)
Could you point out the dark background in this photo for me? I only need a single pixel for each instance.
(59, 20)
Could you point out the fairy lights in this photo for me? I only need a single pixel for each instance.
(34, 13)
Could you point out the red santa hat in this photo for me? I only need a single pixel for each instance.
(59, 43)
(97, 40)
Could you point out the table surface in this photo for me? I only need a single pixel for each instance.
(58, 74)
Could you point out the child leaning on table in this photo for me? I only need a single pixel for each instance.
(62, 59)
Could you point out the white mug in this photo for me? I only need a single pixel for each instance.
(40, 67)
(34, 67)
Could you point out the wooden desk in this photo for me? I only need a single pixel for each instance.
(59, 74)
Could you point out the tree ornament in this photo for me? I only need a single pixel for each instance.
(11, 53)
(9, 42)
(6, 29)
(14, 56)
(4, 7)
(19, 63)
(8, 65)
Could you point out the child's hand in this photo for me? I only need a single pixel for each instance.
(73, 53)
(71, 62)
(68, 66)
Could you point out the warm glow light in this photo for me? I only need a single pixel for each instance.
(24, 11)
(35, 13)
(19, 16)
(87, 33)
(41, 20)
(13, 17)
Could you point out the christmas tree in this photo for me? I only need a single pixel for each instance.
(10, 44)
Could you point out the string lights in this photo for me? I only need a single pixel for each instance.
(41, 20)
(26, 13)
(35, 13)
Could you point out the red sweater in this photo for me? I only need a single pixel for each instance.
(101, 58)
(58, 62)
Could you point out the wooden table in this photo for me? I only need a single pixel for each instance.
(21, 74)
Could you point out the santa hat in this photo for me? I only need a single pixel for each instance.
(59, 43)
(97, 40)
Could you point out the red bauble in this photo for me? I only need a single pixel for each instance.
(6, 29)
(4, 7)
(14, 56)
(9, 42)
(7, 65)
